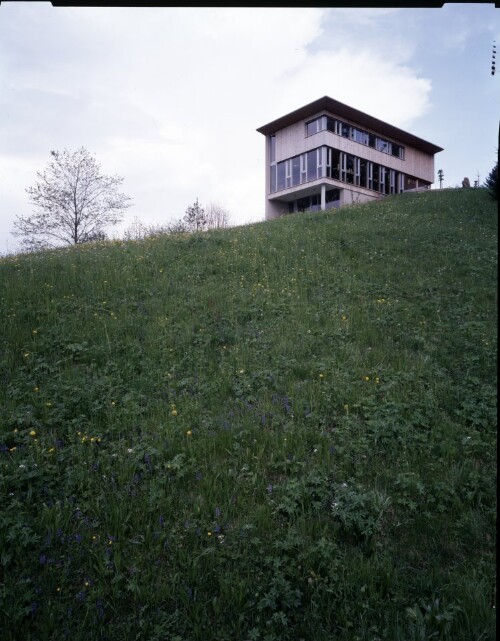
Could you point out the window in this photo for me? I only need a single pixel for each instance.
(349, 168)
(312, 164)
(288, 172)
(376, 177)
(357, 170)
(331, 124)
(344, 129)
(392, 179)
(333, 197)
(382, 175)
(303, 203)
(281, 176)
(273, 178)
(311, 128)
(303, 176)
(296, 170)
(363, 172)
(397, 151)
(333, 163)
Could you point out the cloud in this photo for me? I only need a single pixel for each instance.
(170, 98)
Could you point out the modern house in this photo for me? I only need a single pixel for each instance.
(327, 154)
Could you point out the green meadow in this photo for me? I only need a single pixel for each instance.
(284, 431)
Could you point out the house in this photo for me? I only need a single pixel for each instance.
(327, 154)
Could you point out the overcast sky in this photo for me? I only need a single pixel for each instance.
(170, 98)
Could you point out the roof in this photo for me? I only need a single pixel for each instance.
(355, 116)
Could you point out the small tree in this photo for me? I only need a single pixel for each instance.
(441, 177)
(195, 217)
(491, 182)
(73, 202)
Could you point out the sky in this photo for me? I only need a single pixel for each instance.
(170, 98)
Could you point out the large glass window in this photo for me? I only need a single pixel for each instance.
(349, 169)
(312, 165)
(288, 171)
(332, 163)
(376, 177)
(363, 175)
(296, 170)
(281, 176)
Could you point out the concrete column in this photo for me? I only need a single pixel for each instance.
(323, 197)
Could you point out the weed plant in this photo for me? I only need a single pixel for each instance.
(279, 432)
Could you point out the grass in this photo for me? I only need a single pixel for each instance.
(284, 431)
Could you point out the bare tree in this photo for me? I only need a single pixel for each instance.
(217, 216)
(73, 202)
(136, 230)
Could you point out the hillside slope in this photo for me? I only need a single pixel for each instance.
(279, 431)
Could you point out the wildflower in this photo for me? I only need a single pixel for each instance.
(209, 533)
(366, 378)
(377, 379)
(32, 433)
(13, 449)
(321, 375)
(36, 389)
(346, 408)
(189, 433)
(343, 317)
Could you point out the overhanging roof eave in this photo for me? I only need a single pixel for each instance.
(338, 108)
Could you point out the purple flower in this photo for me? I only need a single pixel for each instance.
(269, 488)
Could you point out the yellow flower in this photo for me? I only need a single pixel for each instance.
(367, 378)
(321, 375)
(174, 412)
(189, 433)
(32, 433)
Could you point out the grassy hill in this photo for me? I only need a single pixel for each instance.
(284, 431)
